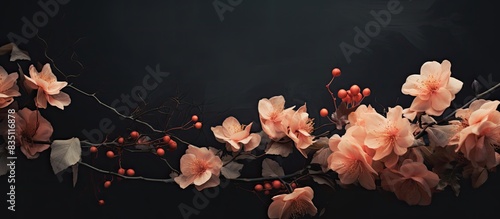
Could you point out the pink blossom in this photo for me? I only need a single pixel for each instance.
(294, 205)
(199, 166)
(31, 128)
(359, 116)
(411, 183)
(433, 89)
(390, 137)
(351, 162)
(234, 135)
(481, 133)
(300, 127)
(8, 88)
(48, 88)
(272, 112)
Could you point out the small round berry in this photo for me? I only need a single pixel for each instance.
(130, 172)
(160, 152)
(166, 139)
(355, 90)
(323, 112)
(121, 171)
(347, 99)
(134, 134)
(293, 185)
(266, 192)
(336, 72)
(110, 154)
(194, 118)
(121, 140)
(342, 93)
(172, 145)
(357, 98)
(107, 184)
(366, 92)
(276, 184)
(258, 188)
(198, 125)
(268, 186)
(101, 202)
(93, 149)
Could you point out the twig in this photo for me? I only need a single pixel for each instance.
(125, 177)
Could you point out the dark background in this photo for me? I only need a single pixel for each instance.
(220, 68)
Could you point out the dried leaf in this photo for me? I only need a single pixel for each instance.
(279, 148)
(245, 157)
(15, 52)
(271, 168)
(64, 153)
(232, 170)
(173, 174)
(325, 180)
(476, 87)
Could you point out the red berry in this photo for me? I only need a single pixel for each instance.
(336, 72)
(107, 184)
(130, 172)
(121, 171)
(266, 192)
(366, 92)
(355, 90)
(276, 184)
(110, 154)
(342, 93)
(134, 135)
(101, 202)
(166, 139)
(268, 186)
(160, 152)
(172, 145)
(293, 185)
(258, 187)
(198, 125)
(194, 118)
(93, 149)
(357, 98)
(121, 140)
(323, 112)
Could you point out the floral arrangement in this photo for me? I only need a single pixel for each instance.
(412, 151)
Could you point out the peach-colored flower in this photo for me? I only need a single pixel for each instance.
(359, 116)
(234, 135)
(48, 88)
(411, 183)
(481, 133)
(351, 162)
(199, 166)
(271, 114)
(294, 205)
(300, 127)
(31, 129)
(390, 137)
(434, 88)
(8, 88)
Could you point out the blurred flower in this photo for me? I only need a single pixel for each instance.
(234, 134)
(199, 166)
(31, 129)
(271, 114)
(390, 137)
(433, 89)
(294, 205)
(48, 88)
(411, 183)
(8, 87)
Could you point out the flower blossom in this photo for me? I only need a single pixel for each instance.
(199, 166)
(433, 89)
(390, 137)
(411, 183)
(480, 135)
(272, 112)
(48, 88)
(8, 88)
(294, 205)
(32, 128)
(350, 160)
(234, 135)
(300, 127)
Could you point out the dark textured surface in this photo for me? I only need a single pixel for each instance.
(260, 49)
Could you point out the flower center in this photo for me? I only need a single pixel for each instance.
(235, 128)
(432, 84)
(199, 167)
(298, 208)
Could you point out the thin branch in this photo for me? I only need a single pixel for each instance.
(125, 177)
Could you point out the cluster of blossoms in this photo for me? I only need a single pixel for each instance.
(404, 151)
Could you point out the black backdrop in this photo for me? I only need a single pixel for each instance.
(223, 66)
